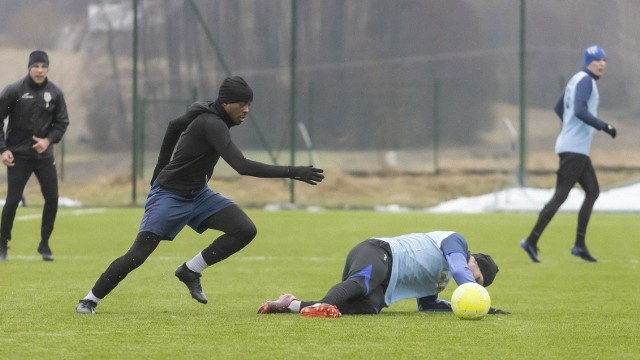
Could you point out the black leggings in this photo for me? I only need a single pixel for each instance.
(589, 183)
(17, 177)
(238, 230)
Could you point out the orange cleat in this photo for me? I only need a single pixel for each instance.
(320, 310)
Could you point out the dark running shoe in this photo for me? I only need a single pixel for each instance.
(3, 250)
(583, 253)
(532, 251)
(277, 306)
(86, 306)
(192, 280)
(45, 251)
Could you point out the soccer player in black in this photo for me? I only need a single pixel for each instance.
(38, 119)
(179, 196)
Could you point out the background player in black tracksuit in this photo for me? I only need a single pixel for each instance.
(179, 196)
(38, 119)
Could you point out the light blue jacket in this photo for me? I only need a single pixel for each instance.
(578, 110)
(423, 263)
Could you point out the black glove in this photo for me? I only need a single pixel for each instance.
(609, 129)
(494, 311)
(308, 174)
(433, 304)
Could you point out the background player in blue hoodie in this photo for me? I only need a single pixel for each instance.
(578, 111)
(179, 196)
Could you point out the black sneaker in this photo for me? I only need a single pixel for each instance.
(583, 253)
(532, 251)
(45, 251)
(192, 280)
(86, 306)
(3, 250)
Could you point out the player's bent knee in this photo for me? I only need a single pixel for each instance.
(246, 232)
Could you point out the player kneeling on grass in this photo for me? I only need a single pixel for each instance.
(381, 271)
(179, 196)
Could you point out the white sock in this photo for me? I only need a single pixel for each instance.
(197, 264)
(295, 306)
(92, 297)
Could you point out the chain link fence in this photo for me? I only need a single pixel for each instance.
(408, 87)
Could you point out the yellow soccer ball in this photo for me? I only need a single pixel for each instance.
(470, 301)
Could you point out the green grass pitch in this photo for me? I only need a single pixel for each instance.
(563, 308)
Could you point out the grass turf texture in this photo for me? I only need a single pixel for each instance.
(561, 308)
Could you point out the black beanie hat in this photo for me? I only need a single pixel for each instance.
(233, 90)
(38, 56)
(487, 266)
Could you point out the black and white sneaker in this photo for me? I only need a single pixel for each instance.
(45, 251)
(192, 280)
(86, 306)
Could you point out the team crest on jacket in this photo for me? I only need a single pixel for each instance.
(47, 98)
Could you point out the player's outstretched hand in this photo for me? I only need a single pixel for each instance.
(609, 129)
(308, 174)
(494, 311)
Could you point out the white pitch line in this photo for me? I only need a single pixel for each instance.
(178, 258)
(62, 213)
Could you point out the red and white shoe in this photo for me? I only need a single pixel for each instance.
(320, 310)
(277, 306)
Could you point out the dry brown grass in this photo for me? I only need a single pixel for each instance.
(364, 179)
(106, 181)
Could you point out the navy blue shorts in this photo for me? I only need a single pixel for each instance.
(166, 214)
(369, 264)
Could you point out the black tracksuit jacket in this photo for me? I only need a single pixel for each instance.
(32, 109)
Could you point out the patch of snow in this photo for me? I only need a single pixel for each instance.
(623, 199)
